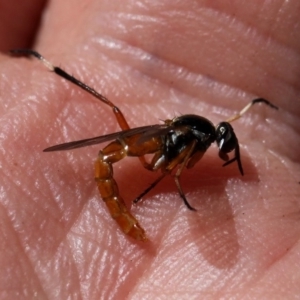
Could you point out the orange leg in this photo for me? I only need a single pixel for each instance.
(116, 111)
(109, 191)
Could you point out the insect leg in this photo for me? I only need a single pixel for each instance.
(248, 106)
(109, 191)
(148, 189)
(187, 155)
(57, 70)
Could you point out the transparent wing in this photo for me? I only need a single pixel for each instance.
(146, 132)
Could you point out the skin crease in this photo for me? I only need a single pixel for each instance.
(155, 60)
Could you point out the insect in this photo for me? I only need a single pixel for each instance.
(175, 144)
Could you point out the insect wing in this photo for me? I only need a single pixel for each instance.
(154, 132)
(106, 138)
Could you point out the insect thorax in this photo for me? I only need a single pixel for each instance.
(187, 129)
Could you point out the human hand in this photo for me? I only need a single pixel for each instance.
(154, 61)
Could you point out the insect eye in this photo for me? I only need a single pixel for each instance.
(225, 137)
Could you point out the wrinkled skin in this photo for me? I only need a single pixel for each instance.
(155, 60)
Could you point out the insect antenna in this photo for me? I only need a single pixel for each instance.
(248, 106)
(237, 157)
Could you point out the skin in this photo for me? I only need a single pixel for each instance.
(154, 60)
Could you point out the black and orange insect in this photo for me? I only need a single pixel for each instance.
(175, 144)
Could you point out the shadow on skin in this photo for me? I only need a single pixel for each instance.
(212, 226)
